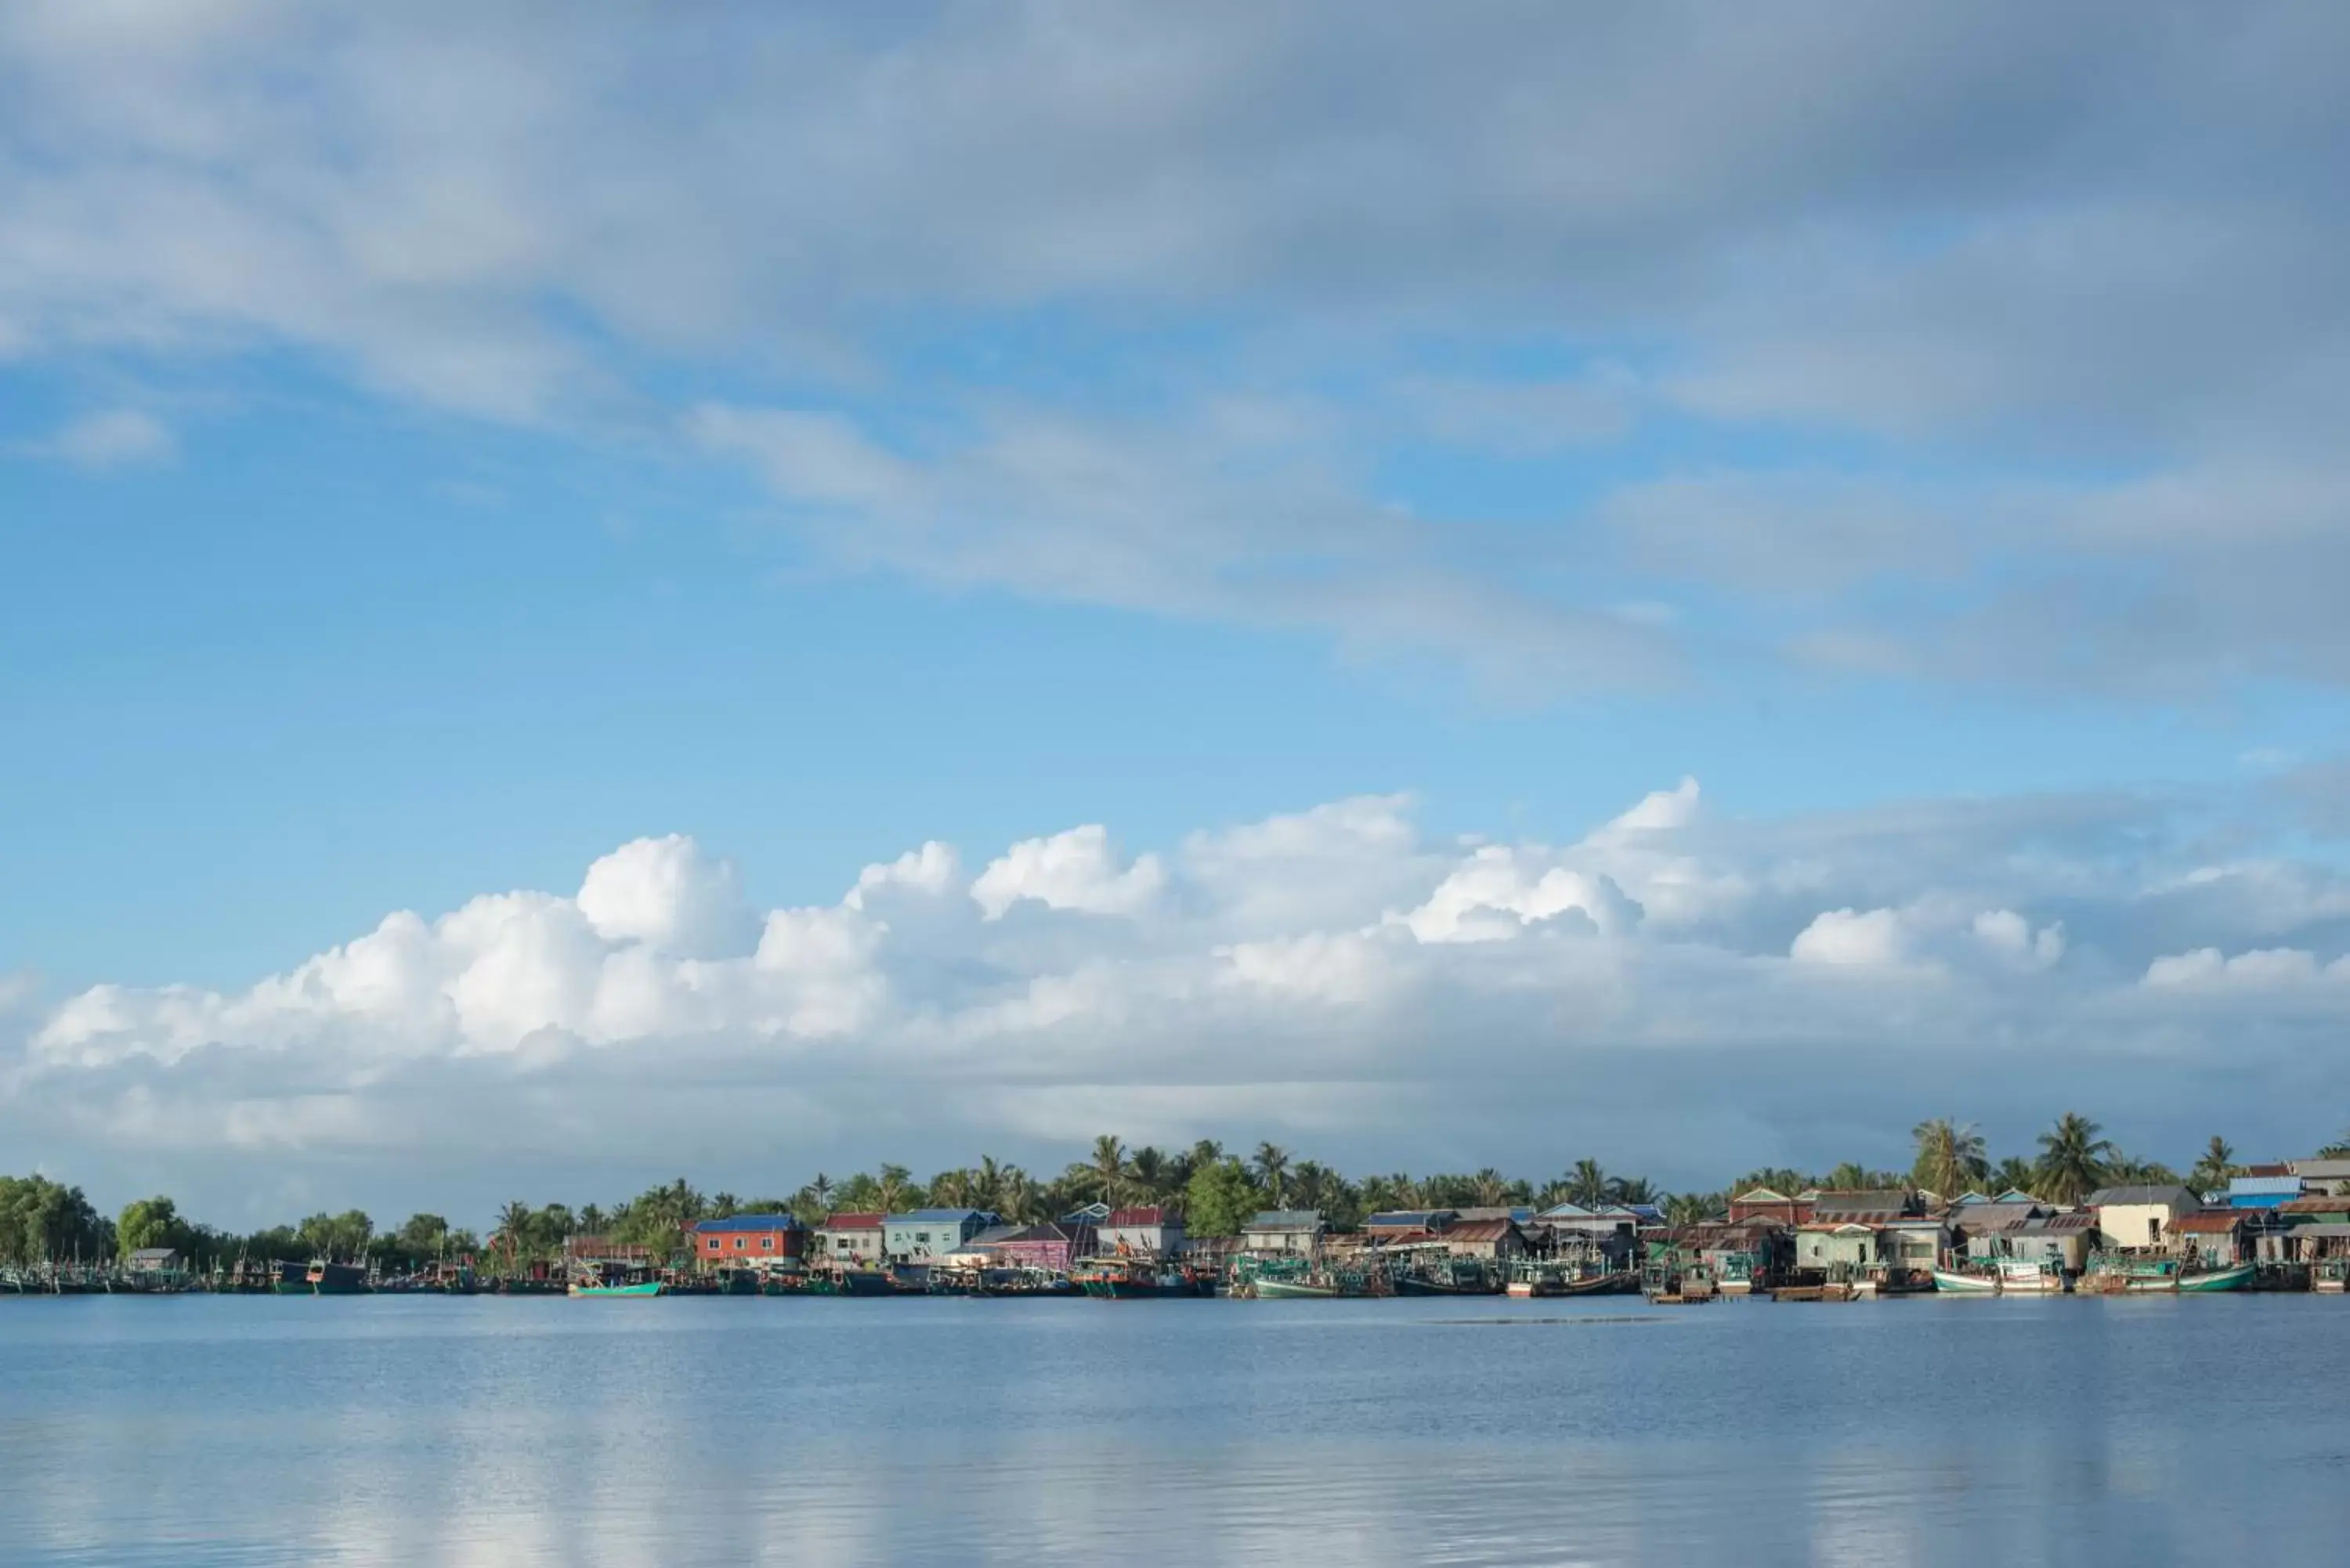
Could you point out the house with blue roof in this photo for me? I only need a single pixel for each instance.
(2262, 1191)
(921, 1234)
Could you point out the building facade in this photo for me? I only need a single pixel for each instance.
(1296, 1231)
(749, 1239)
(2139, 1219)
(1153, 1230)
(921, 1234)
(850, 1241)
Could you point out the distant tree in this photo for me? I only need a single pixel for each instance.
(2338, 1149)
(2124, 1168)
(1222, 1199)
(819, 1187)
(1147, 1169)
(423, 1237)
(2014, 1174)
(895, 1188)
(1630, 1189)
(1109, 1168)
(2073, 1157)
(1849, 1178)
(2217, 1168)
(149, 1223)
(1949, 1157)
(1273, 1172)
(723, 1206)
(592, 1220)
(1693, 1208)
(1492, 1188)
(1586, 1184)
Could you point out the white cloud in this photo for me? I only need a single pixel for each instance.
(1074, 870)
(115, 438)
(1852, 937)
(1334, 970)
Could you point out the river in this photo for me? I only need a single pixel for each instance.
(387, 1429)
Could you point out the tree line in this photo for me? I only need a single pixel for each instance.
(1215, 1189)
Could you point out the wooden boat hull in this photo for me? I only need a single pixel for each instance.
(648, 1287)
(1296, 1290)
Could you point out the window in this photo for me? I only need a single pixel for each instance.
(739, 1243)
(766, 1243)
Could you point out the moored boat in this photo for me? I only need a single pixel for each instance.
(640, 1288)
(2161, 1276)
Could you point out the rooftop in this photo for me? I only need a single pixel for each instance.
(1152, 1215)
(1287, 1220)
(858, 1220)
(937, 1216)
(2219, 1222)
(1479, 1230)
(1406, 1218)
(750, 1222)
(2170, 1193)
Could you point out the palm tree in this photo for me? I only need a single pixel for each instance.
(2072, 1158)
(1016, 1195)
(2338, 1149)
(1630, 1189)
(819, 1187)
(591, 1220)
(1108, 1167)
(1272, 1170)
(893, 1187)
(1949, 1157)
(1586, 1184)
(2215, 1167)
(1208, 1152)
(1492, 1188)
(1849, 1178)
(2014, 1174)
(512, 1234)
(952, 1188)
(1690, 1208)
(1149, 1167)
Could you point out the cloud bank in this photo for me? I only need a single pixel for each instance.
(1978, 345)
(1684, 993)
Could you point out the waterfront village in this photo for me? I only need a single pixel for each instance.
(2282, 1226)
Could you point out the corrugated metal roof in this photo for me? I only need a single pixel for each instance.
(1154, 1215)
(854, 1222)
(1479, 1230)
(1406, 1218)
(1287, 1220)
(1884, 1199)
(2172, 1194)
(2265, 1185)
(934, 1216)
(2217, 1223)
(2323, 1170)
(749, 1222)
(2314, 1205)
(2059, 1224)
(1987, 1219)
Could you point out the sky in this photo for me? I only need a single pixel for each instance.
(735, 592)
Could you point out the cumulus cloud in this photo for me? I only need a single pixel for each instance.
(1336, 972)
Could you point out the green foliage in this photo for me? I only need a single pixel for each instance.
(1951, 1158)
(151, 1222)
(2217, 1168)
(42, 1220)
(2073, 1157)
(339, 1238)
(1222, 1199)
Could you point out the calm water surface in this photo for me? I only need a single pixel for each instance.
(398, 1430)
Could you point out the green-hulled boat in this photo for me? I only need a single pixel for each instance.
(642, 1288)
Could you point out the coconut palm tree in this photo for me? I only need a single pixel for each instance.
(1690, 1208)
(1148, 1168)
(1949, 1157)
(819, 1187)
(1273, 1172)
(1108, 1168)
(2014, 1174)
(1492, 1187)
(894, 1189)
(1630, 1189)
(591, 1220)
(1016, 1195)
(2072, 1158)
(513, 1235)
(2216, 1167)
(1586, 1184)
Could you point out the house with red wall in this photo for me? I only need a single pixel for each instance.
(744, 1240)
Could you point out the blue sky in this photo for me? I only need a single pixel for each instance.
(437, 452)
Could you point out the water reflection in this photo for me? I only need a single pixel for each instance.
(1915, 1436)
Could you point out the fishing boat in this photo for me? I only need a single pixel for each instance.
(321, 1278)
(2013, 1277)
(1304, 1288)
(1139, 1278)
(851, 1283)
(1448, 1277)
(2110, 1276)
(640, 1288)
